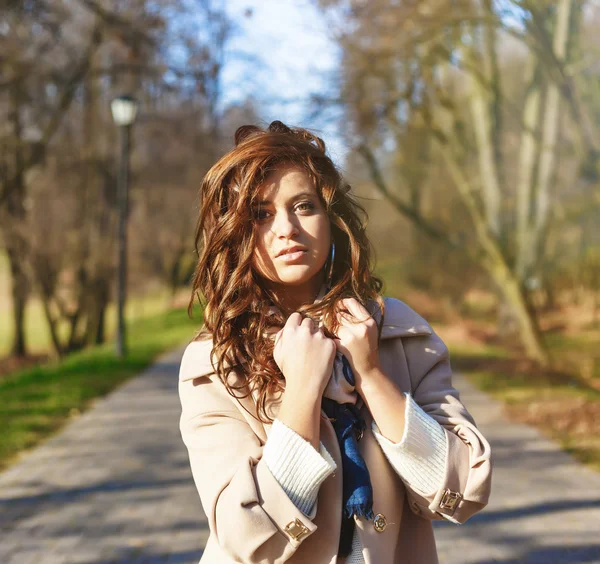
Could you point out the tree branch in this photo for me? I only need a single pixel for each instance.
(63, 105)
(418, 220)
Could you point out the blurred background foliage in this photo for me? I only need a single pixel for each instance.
(471, 131)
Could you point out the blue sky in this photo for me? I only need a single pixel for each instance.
(290, 42)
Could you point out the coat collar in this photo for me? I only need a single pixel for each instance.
(399, 321)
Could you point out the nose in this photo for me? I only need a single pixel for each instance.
(284, 225)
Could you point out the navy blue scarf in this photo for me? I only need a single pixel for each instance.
(357, 494)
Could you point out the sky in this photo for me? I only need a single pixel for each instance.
(282, 53)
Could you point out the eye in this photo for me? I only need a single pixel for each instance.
(306, 206)
(259, 214)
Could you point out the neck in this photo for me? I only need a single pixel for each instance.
(293, 297)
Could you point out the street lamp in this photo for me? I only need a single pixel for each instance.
(124, 110)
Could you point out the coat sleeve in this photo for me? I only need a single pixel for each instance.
(420, 456)
(466, 485)
(251, 516)
(297, 466)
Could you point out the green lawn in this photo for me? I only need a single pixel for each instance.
(37, 333)
(36, 402)
(560, 403)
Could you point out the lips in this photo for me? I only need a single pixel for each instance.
(293, 249)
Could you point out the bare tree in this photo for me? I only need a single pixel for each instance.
(436, 65)
(62, 63)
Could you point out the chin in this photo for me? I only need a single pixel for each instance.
(294, 280)
(295, 276)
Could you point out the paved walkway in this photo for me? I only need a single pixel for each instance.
(545, 507)
(115, 486)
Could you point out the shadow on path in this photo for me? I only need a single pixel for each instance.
(492, 516)
(171, 558)
(554, 555)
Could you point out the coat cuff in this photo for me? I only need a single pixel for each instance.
(296, 465)
(420, 456)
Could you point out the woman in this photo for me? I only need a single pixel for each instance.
(319, 417)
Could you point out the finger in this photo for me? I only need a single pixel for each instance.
(308, 322)
(339, 347)
(345, 318)
(343, 314)
(277, 337)
(294, 320)
(356, 309)
(340, 307)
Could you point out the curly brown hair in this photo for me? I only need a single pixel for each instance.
(234, 299)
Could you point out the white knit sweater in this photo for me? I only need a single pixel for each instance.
(419, 459)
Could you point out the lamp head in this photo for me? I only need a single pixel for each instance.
(124, 109)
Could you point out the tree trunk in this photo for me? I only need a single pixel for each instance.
(52, 325)
(103, 299)
(526, 169)
(96, 308)
(492, 71)
(14, 233)
(486, 153)
(20, 295)
(494, 262)
(548, 160)
(489, 257)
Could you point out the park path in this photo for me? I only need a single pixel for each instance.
(544, 508)
(115, 486)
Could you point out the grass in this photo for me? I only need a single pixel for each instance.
(37, 333)
(578, 353)
(36, 402)
(560, 403)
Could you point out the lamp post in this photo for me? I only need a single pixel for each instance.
(124, 110)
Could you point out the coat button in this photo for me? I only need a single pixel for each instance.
(450, 500)
(380, 522)
(296, 529)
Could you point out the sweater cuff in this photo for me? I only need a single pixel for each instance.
(296, 465)
(420, 456)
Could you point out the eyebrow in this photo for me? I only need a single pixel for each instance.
(294, 197)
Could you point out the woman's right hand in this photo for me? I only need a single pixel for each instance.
(304, 355)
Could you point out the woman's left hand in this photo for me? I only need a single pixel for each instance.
(357, 339)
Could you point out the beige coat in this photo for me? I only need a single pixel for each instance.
(252, 520)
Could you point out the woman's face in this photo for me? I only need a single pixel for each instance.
(289, 214)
